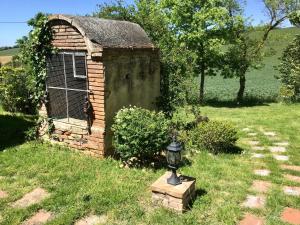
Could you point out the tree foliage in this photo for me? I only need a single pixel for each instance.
(14, 90)
(245, 52)
(203, 27)
(190, 35)
(289, 69)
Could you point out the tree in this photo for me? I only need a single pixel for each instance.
(289, 69)
(203, 27)
(246, 52)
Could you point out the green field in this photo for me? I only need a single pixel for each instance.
(9, 52)
(261, 84)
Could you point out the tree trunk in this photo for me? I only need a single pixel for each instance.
(202, 80)
(240, 94)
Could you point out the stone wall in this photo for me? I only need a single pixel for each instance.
(132, 78)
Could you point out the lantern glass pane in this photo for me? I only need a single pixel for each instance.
(173, 158)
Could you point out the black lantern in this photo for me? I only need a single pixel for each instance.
(173, 159)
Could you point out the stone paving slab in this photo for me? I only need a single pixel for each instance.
(253, 143)
(31, 198)
(290, 167)
(3, 194)
(281, 157)
(261, 186)
(258, 148)
(270, 133)
(294, 191)
(252, 134)
(275, 149)
(262, 173)
(258, 156)
(291, 216)
(92, 220)
(253, 201)
(285, 144)
(292, 178)
(250, 219)
(40, 218)
(246, 129)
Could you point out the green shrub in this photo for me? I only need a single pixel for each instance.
(15, 94)
(187, 118)
(139, 133)
(214, 136)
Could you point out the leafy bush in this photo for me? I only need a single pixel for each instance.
(139, 133)
(15, 96)
(289, 69)
(187, 118)
(214, 136)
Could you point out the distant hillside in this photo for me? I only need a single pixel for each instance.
(9, 52)
(261, 83)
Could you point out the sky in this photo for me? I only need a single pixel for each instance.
(12, 11)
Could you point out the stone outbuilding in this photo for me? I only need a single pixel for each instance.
(101, 66)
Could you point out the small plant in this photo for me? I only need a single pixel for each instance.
(139, 133)
(214, 136)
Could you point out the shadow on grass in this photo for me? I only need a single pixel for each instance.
(12, 130)
(199, 193)
(234, 150)
(248, 102)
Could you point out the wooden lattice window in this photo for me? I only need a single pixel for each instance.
(67, 87)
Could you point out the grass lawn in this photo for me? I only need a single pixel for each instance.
(81, 185)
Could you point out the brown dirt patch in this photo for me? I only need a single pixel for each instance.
(5, 59)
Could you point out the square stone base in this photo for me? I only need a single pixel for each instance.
(174, 197)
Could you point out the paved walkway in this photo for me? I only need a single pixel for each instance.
(278, 150)
(37, 196)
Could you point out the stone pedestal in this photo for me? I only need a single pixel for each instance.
(173, 197)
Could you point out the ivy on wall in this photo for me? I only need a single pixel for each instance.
(34, 50)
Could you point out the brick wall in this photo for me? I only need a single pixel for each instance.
(68, 38)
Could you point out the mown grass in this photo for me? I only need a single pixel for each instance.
(81, 185)
(261, 84)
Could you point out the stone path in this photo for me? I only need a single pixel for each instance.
(262, 173)
(258, 148)
(292, 178)
(291, 216)
(290, 167)
(261, 187)
(281, 157)
(41, 217)
(295, 191)
(258, 156)
(92, 220)
(31, 198)
(276, 149)
(250, 219)
(3, 194)
(254, 202)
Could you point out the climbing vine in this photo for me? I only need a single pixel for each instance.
(34, 50)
